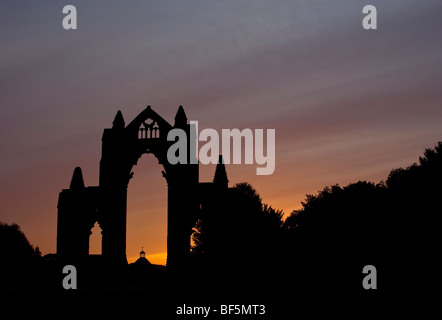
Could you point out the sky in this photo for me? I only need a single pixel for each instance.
(347, 104)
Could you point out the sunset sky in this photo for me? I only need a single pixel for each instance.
(347, 104)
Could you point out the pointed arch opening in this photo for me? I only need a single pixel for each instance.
(147, 211)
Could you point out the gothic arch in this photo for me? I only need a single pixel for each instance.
(122, 146)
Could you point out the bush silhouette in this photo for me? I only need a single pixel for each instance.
(20, 260)
(240, 234)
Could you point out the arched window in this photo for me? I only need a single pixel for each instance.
(95, 239)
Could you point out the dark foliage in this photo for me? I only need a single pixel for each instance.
(325, 244)
(391, 225)
(241, 233)
(19, 259)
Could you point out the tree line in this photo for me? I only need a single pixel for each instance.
(327, 242)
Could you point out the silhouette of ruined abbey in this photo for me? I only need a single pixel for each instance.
(80, 207)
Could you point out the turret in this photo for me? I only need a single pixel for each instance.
(180, 118)
(220, 177)
(77, 181)
(118, 122)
